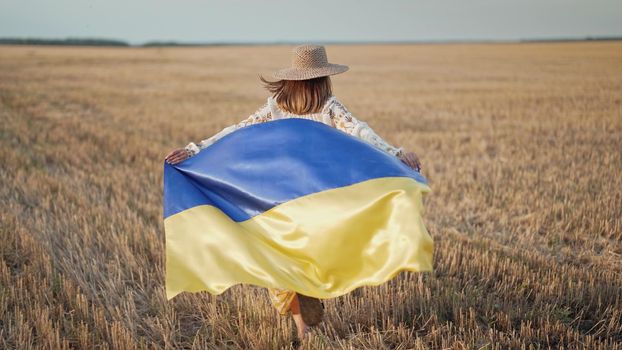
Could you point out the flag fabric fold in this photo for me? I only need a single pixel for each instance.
(292, 204)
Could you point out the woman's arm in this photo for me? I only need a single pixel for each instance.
(345, 121)
(261, 115)
(179, 155)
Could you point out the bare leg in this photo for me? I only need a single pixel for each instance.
(300, 323)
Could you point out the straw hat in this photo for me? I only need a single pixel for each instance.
(309, 61)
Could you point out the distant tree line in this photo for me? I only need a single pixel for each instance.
(103, 42)
(68, 41)
(178, 43)
(112, 42)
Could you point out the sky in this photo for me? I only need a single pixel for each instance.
(139, 21)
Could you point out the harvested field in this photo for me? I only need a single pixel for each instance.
(521, 143)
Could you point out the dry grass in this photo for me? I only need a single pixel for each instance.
(521, 144)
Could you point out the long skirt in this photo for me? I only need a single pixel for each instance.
(281, 299)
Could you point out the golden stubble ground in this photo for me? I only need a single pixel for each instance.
(521, 143)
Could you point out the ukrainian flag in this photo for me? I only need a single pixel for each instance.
(292, 204)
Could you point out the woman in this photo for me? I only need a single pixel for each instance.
(303, 91)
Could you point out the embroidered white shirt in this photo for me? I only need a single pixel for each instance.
(333, 113)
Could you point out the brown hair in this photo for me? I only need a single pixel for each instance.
(300, 96)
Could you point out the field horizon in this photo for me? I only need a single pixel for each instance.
(521, 144)
(103, 41)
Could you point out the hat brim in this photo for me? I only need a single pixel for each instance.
(309, 73)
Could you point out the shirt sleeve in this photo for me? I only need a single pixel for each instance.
(261, 115)
(345, 121)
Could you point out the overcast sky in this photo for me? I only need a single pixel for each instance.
(138, 21)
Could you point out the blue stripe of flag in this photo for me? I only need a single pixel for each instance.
(263, 165)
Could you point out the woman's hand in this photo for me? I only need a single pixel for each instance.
(411, 159)
(176, 156)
